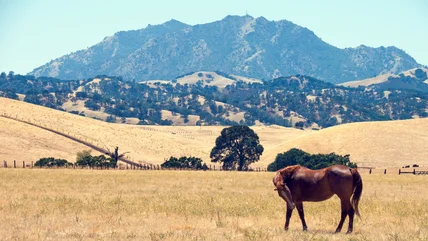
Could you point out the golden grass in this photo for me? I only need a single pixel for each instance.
(381, 78)
(370, 81)
(43, 204)
(216, 80)
(375, 144)
(152, 144)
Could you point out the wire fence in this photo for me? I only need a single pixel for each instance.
(31, 164)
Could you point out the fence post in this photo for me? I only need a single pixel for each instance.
(399, 171)
(414, 171)
(384, 172)
(370, 172)
(23, 164)
(32, 164)
(5, 163)
(14, 163)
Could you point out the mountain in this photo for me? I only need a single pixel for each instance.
(242, 45)
(214, 98)
(414, 79)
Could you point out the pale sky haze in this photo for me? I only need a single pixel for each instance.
(33, 32)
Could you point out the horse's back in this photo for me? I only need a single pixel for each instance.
(340, 180)
(340, 170)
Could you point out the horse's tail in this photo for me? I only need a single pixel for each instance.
(358, 189)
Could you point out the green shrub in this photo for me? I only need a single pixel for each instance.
(50, 162)
(84, 158)
(317, 161)
(185, 162)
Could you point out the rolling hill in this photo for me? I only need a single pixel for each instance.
(208, 78)
(413, 79)
(215, 98)
(370, 144)
(376, 144)
(151, 144)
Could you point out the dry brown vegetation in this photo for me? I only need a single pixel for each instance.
(214, 79)
(147, 143)
(376, 144)
(61, 204)
(380, 78)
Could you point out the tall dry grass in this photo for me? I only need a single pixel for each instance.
(42, 204)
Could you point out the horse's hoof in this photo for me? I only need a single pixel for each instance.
(337, 231)
(349, 231)
(305, 229)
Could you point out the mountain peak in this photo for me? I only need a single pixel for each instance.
(237, 18)
(262, 20)
(173, 21)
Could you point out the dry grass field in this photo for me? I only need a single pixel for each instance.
(375, 144)
(61, 204)
(147, 143)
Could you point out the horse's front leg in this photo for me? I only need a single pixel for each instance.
(299, 207)
(287, 218)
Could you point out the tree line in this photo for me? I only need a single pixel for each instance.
(236, 148)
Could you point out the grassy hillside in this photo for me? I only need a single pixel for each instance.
(147, 143)
(381, 79)
(377, 144)
(299, 101)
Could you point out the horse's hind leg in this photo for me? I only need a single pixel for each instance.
(343, 215)
(351, 218)
(299, 207)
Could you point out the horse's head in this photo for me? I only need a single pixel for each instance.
(280, 181)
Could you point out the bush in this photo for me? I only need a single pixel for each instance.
(50, 162)
(317, 161)
(81, 95)
(84, 158)
(185, 162)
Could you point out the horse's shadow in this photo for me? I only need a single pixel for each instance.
(323, 231)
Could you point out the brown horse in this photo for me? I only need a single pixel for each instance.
(297, 184)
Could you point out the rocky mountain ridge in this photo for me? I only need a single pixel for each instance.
(242, 45)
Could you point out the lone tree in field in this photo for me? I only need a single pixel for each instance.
(237, 146)
(115, 155)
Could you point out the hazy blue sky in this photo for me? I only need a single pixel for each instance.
(35, 31)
